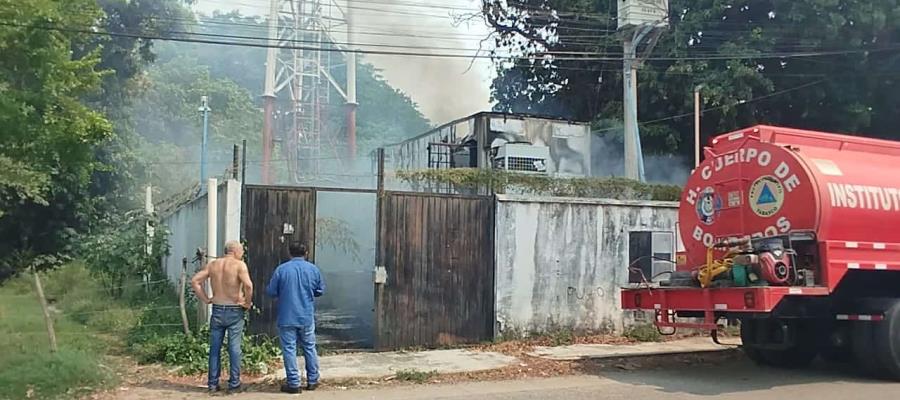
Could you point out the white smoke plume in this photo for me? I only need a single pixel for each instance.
(444, 88)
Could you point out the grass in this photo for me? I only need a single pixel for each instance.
(415, 376)
(27, 368)
(644, 333)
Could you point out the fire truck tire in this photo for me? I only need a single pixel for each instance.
(748, 333)
(799, 355)
(886, 335)
(835, 347)
(836, 355)
(754, 354)
(864, 350)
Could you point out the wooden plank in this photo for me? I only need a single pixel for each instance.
(439, 254)
(265, 211)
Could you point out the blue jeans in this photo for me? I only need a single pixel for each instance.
(224, 319)
(307, 337)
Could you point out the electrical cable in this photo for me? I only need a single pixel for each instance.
(892, 47)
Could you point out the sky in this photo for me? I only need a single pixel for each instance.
(444, 88)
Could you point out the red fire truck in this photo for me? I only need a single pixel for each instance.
(796, 234)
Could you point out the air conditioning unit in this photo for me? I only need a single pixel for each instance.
(522, 157)
(643, 12)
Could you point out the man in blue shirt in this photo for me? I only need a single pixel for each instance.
(295, 284)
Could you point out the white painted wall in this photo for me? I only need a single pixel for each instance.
(187, 227)
(561, 261)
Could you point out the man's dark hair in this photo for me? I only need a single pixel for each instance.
(297, 249)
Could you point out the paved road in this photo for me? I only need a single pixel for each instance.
(735, 379)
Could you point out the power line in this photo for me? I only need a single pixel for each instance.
(600, 57)
(476, 8)
(740, 102)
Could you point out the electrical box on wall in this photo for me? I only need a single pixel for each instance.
(643, 12)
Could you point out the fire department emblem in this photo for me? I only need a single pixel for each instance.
(708, 206)
(766, 196)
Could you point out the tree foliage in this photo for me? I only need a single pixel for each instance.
(817, 64)
(169, 124)
(120, 251)
(126, 56)
(48, 134)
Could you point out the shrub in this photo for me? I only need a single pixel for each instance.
(468, 179)
(643, 333)
(190, 353)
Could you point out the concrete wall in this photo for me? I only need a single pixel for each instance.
(187, 227)
(560, 262)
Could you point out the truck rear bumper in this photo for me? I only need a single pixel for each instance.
(666, 302)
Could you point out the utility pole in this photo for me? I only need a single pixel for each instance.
(269, 91)
(637, 20)
(351, 103)
(697, 126)
(633, 157)
(204, 109)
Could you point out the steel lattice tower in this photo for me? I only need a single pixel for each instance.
(303, 40)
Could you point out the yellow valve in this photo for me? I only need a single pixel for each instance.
(713, 267)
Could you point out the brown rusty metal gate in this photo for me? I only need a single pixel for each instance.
(437, 254)
(272, 217)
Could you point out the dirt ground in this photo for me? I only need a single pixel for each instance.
(140, 381)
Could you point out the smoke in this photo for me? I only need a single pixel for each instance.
(345, 253)
(444, 88)
(608, 159)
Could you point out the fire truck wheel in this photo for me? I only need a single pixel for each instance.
(864, 350)
(836, 355)
(886, 335)
(748, 337)
(798, 355)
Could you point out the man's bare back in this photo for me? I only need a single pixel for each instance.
(229, 279)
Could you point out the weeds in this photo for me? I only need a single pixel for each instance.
(414, 375)
(562, 338)
(643, 333)
(190, 353)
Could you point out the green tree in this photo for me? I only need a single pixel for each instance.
(124, 54)
(48, 135)
(167, 120)
(740, 50)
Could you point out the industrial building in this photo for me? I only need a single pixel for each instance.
(514, 142)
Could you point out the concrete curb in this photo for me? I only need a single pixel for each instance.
(602, 351)
(639, 355)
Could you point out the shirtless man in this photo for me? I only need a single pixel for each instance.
(232, 293)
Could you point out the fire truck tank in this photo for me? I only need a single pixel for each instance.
(768, 181)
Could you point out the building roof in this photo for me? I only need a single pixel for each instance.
(486, 114)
